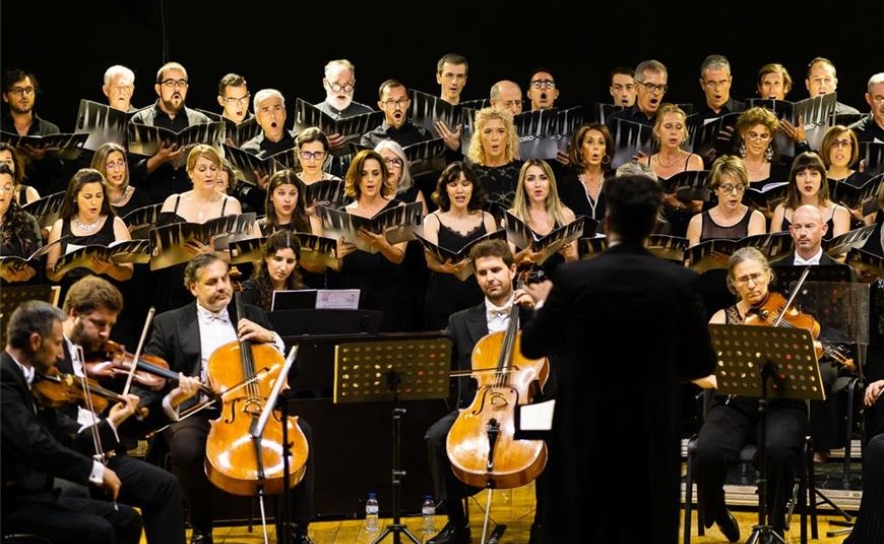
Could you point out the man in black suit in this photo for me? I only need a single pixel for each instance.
(186, 338)
(495, 271)
(611, 392)
(92, 305)
(37, 446)
(808, 228)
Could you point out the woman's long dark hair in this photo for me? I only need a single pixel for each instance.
(300, 219)
(282, 239)
(16, 223)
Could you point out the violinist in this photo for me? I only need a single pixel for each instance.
(731, 422)
(186, 337)
(495, 271)
(38, 445)
(612, 392)
(91, 307)
(808, 228)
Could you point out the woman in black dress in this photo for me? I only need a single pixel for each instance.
(110, 159)
(19, 232)
(276, 271)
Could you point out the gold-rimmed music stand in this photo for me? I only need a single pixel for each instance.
(393, 369)
(766, 362)
(11, 296)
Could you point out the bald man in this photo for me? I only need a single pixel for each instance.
(506, 94)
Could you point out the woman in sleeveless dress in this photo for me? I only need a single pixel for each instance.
(808, 185)
(494, 154)
(458, 222)
(276, 271)
(110, 159)
(19, 232)
(590, 154)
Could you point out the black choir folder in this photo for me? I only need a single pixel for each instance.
(425, 109)
(398, 224)
(324, 192)
(815, 113)
(102, 123)
(520, 234)
(254, 168)
(767, 197)
(122, 251)
(146, 139)
(315, 250)
(307, 115)
(15, 263)
(140, 220)
(854, 239)
(170, 244)
(872, 156)
(687, 185)
(63, 146)
(47, 209)
(444, 255)
(863, 196)
(235, 134)
(542, 133)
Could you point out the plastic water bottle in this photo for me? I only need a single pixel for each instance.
(371, 514)
(428, 515)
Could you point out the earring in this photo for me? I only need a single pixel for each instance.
(606, 160)
(768, 153)
(743, 149)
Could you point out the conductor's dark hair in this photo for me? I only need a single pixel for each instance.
(32, 316)
(493, 248)
(192, 272)
(633, 203)
(452, 173)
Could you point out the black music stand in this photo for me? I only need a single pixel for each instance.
(11, 296)
(385, 370)
(766, 362)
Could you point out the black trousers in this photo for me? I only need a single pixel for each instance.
(449, 488)
(187, 445)
(155, 491)
(727, 428)
(72, 520)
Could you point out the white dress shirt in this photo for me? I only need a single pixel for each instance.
(498, 317)
(814, 260)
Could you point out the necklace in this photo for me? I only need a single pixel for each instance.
(757, 170)
(663, 164)
(126, 192)
(84, 226)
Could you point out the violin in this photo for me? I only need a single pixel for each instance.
(237, 461)
(775, 311)
(56, 389)
(480, 444)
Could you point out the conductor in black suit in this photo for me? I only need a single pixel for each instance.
(495, 271)
(186, 338)
(37, 446)
(621, 393)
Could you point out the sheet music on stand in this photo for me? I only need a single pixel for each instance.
(11, 297)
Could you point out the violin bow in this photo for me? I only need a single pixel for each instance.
(792, 296)
(96, 439)
(134, 366)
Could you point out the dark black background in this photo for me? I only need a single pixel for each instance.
(69, 44)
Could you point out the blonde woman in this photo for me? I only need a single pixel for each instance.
(493, 153)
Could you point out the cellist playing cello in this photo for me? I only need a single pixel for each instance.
(623, 393)
(186, 338)
(495, 271)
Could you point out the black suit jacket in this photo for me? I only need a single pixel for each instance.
(175, 337)
(620, 392)
(39, 444)
(789, 259)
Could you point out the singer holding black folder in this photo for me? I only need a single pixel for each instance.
(731, 422)
(186, 337)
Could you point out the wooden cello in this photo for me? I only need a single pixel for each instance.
(236, 461)
(480, 444)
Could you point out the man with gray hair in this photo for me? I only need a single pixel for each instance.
(871, 128)
(340, 85)
(651, 78)
(507, 95)
(119, 85)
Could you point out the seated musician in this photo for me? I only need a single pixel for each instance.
(731, 422)
(276, 271)
(91, 306)
(186, 338)
(495, 271)
(38, 445)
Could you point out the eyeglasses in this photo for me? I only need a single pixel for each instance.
(651, 87)
(21, 91)
(754, 136)
(229, 100)
(728, 188)
(401, 103)
(172, 83)
(543, 83)
(347, 87)
(511, 103)
(842, 143)
(7, 188)
(753, 278)
(393, 163)
(118, 165)
(317, 155)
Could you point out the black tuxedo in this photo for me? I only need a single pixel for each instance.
(175, 337)
(38, 445)
(623, 393)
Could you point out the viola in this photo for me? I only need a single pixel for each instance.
(776, 311)
(236, 461)
(480, 444)
(113, 362)
(56, 389)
